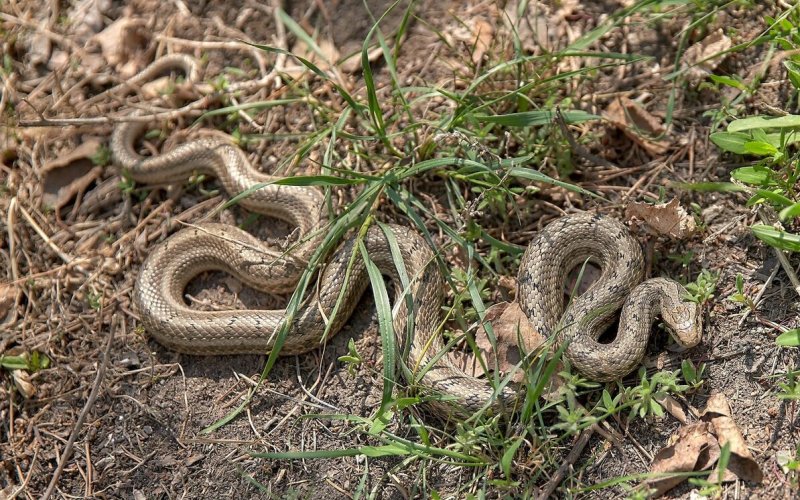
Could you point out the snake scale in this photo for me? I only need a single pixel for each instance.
(559, 247)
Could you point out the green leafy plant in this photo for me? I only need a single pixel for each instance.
(790, 389)
(31, 362)
(644, 397)
(739, 296)
(352, 359)
(703, 288)
(94, 300)
(693, 375)
(773, 180)
(789, 338)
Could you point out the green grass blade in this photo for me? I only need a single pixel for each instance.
(385, 325)
(301, 34)
(718, 187)
(535, 175)
(533, 118)
(314, 68)
(777, 238)
(790, 338)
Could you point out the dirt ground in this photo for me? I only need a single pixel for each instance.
(71, 251)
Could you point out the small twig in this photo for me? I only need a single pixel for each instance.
(12, 257)
(572, 457)
(280, 30)
(190, 109)
(206, 44)
(65, 455)
(66, 258)
(760, 294)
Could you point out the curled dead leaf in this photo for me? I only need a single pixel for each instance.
(122, 44)
(687, 451)
(22, 381)
(638, 124)
(742, 463)
(704, 56)
(483, 33)
(510, 326)
(664, 219)
(673, 407)
(8, 296)
(70, 175)
(697, 447)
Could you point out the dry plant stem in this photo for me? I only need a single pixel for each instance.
(67, 453)
(757, 298)
(191, 109)
(66, 258)
(12, 256)
(280, 61)
(572, 457)
(215, 45)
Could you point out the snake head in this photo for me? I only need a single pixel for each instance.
(686, 323)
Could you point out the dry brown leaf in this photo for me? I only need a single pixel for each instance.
(673, 407)
(70, 175)
(22, 380)
(684, 453)
(510, 325)
(664, 219)
(638, 124)
(509, 283)
(532, 27)
(587, 274)
(742, 463)
(484, 33)
(702, 58)
(323, 61)
(352, 63)
(121, 41)
(8, 295)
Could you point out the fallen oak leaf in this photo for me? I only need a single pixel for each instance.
(69, 175)
(688, 450)
(121, 41)
(638, 124)
(704, 56)
(484, 33)
(741, 463)
(510, 326)
(663, 219)
(673, 407)
(8, 297)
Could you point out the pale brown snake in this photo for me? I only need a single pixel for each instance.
(562, 245)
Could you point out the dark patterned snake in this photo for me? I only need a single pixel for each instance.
(563, 245)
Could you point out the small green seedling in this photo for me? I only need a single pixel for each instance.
(740, 297)
(352, 359)
(702, 290)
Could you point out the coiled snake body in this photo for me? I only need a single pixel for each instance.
(561, 246)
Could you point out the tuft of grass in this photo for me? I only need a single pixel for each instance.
(491, 144)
